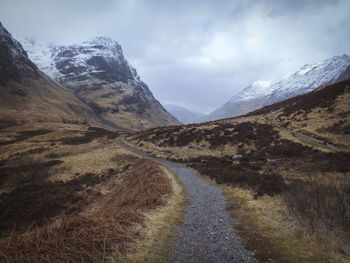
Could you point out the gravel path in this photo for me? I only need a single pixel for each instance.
(322, 143)
(207, 234)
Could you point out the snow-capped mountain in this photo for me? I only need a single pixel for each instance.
(258, 89)
(28, 95)
(262, 93)
(183, 114)
(99, 75)
(99, 57)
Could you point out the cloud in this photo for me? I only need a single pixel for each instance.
(195, 53)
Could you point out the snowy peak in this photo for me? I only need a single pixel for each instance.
(326, 65)
(305, 79)
(259, 88)
(99, 58)
(309, 77)
(103, 46)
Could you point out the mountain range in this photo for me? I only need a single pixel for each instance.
(93, 82)
(184, 115)
(305, 79)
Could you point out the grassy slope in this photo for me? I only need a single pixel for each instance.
(283, 145)
(68, 193)
(39, 99)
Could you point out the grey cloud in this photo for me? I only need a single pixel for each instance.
(195, 53)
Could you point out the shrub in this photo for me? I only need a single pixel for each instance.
(319, 205)
(91, 134)
(224, 171)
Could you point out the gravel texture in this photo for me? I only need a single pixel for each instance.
(207, 233)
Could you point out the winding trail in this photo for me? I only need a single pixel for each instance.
(321, 143)
(207, 233)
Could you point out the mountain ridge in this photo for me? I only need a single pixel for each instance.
(305, 79)
(99, 75)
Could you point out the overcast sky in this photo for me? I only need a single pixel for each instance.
(196, 54)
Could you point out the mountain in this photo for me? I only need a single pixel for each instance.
(28, 95)
(99, 75)
(183, 114)
(262, 93)
(345, 75)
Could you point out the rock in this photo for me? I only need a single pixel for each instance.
(236, 156)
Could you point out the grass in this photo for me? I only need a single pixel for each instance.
(264, 219)
(95, 236)
(102, 196)
(275, 234)
(154, 241)
(269, 231)
(263, 216)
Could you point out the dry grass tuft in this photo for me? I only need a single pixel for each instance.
(155, 241)
(93, 237)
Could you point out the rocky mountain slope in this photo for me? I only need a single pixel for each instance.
(99, 75)
(345, 75)
(262, 93)
(28, 95)
(183, 114)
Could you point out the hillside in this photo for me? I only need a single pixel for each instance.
(28, 95)
(68, 193)
(262, 93)
(280, 154)
(99, 75)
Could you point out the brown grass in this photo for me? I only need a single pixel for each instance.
(322, 206)
(70, 194)
(95, 236)
(91, 134)
(268, 230)
(155, 241)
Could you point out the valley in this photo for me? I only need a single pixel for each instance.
(68, 193)
(276, 170)
(93, 168)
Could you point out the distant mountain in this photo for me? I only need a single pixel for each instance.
(184, 115)
(27, 95)
(262, 93)
(99, 75)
